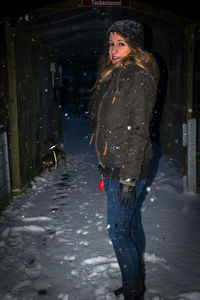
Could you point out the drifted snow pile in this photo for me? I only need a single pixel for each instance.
(54, 243)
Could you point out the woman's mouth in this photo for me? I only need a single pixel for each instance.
(115, 58)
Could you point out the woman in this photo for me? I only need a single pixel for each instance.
(119, 113)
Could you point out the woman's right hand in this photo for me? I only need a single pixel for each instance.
(126, 195)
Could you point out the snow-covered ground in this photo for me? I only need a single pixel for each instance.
(54, 243)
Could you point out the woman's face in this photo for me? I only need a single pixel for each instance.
(118, 47)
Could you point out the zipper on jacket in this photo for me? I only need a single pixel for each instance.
(105, 149)
(91, 139)
(113, 101)
(97, 130)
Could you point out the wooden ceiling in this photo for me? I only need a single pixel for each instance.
(75, 33)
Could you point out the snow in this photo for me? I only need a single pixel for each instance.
(54, 242)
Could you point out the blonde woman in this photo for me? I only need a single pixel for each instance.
(119, 115)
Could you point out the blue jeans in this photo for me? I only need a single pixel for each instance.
(125, 229)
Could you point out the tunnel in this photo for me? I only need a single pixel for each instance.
(49, 60)
(54, 227)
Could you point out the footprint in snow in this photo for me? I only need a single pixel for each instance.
(84, 243)
(63, 297)
(190, 296)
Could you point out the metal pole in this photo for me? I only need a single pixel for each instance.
(191, 156)
(185, 143)
(7, 167)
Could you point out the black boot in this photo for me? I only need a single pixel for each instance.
(143, 274)
(120, 291)
(134, 290)
(143, 271)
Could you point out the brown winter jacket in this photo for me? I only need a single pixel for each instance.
(120, 111)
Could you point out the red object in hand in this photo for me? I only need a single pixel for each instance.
(101, 184)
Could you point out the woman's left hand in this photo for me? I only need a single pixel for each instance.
(126, 195)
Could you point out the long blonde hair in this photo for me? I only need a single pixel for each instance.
(137, 55)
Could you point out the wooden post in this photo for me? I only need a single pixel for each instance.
(189, 178)
(13, 109)
(190, 44)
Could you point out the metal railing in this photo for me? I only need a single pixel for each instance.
(5, 189)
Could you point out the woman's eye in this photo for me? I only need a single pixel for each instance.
(121, 44)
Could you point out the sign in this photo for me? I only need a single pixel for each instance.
(106, 3)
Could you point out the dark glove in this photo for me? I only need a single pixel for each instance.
(126, 195)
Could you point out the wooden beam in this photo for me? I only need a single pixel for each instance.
(49, 10)
(160, 13)
(189, 69)
(13, 110)
(137, 6)
(33, 43)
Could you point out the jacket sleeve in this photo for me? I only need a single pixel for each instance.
(136, 136)
(92, 112)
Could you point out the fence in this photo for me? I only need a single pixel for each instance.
(5, 191)
(34, 111)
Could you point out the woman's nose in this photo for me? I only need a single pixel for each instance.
(114, 50)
